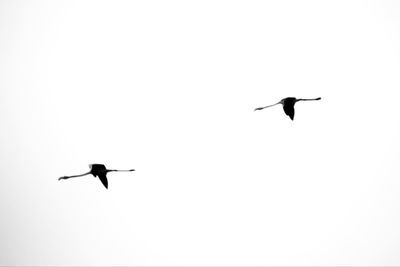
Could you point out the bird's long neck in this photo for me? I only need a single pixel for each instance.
(280, 102)
(74, 176)
(308, 99)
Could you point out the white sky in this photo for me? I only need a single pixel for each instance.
(169, 88)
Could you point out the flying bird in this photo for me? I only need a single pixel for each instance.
(97, 170)
(288, 104)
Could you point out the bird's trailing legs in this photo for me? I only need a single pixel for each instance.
(308, 99)
(131, 170)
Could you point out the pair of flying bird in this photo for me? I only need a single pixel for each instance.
(100, 171)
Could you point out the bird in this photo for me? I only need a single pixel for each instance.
(288, 105)
(97, 170)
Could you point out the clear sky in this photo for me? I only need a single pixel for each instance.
(169, 88)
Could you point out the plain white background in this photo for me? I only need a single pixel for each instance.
(169, 88)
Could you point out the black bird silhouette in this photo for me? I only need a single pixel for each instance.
(288, 105)
(97, 170)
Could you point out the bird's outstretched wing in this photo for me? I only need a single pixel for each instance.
(289, 110)
(103, 179)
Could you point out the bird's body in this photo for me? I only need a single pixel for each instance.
(100, 170)
(97, 170)
(288, 105)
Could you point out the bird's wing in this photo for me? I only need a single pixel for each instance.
(103, 179)
(97, 167)
(289, 110)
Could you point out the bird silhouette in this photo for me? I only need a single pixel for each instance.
(97, 170)
(288, 104)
